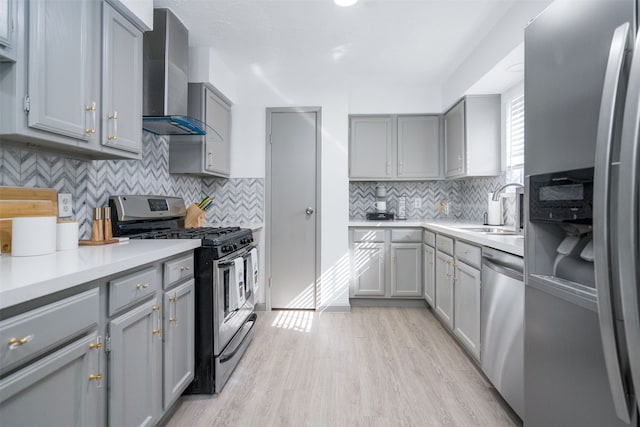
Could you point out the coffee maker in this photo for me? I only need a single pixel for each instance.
(380, 205)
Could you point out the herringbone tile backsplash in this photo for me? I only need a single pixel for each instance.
(91, 182)
(467, 198)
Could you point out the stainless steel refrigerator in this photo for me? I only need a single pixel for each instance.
(582, 251)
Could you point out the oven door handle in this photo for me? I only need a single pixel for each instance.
(229, 262)
(251, 319)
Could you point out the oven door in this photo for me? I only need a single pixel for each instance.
(228, 320)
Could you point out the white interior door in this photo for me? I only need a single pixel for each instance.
(292, 218)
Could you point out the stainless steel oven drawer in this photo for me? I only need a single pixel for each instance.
(131, 288)
(30, 334)
(178, 269)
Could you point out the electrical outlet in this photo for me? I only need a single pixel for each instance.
(417, 203)
(65, 205)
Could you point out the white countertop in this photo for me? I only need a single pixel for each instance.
(513, 244)
(26, 278)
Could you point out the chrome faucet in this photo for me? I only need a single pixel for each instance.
(496, 194)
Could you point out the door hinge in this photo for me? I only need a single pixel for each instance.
(269, 282)
(27, 103)
(107, 344)
(270, 142)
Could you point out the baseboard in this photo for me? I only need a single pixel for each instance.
(260, 307)
(334, 309)
(384, 302)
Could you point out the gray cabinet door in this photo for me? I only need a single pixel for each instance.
(444, 287)
(467, 307)
(56, 391)
(135, 366)
(369, 269)
(61, 83)
(455, 141)
(406, 269)
(418, 147)
(121, 113)
(371, 144)
(218, 138)
(7, 29)
(179, 335)
(429, 254)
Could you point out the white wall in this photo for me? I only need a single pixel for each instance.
(501, 40)
(206, 66)
(370, 96)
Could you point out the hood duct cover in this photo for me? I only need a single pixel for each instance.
(166, 76)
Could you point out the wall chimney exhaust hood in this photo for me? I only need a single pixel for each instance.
(165, 78)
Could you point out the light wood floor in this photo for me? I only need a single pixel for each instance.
(370, 367)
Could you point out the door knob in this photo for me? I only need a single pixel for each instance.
(309, 210)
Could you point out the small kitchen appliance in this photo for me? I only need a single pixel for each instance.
(380, 206)
(224, 314)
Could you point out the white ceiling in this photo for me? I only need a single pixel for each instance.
(420, 41)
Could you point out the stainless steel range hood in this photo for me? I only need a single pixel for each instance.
(165, 79)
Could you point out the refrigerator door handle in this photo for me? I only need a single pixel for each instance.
(611, 92)
(628, 244)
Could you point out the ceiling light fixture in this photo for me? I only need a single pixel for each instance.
(345, 3)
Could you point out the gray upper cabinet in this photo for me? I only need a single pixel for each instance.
(371, 146)
(121, 112)
(210, 154)
(394, 147)
(472, 137)
(419, 147)
(7, 30)
(62, 85)
(135, 366)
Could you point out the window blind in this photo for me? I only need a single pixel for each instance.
(515, 148)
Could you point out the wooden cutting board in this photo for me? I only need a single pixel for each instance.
(22, 201)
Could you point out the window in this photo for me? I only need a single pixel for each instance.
(515, 139)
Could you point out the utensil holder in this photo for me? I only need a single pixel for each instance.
(194, 217)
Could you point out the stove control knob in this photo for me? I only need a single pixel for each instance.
(235, 247)
(224, 249)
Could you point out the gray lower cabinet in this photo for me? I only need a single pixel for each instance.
(467, 307)
(209, 154)
(429, 263)
(406, 269)
(444, 287)
(179, 343)
(135, 366)
(121, 112)
(63, 389)
(369, 278)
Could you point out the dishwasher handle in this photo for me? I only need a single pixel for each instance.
(501, 269)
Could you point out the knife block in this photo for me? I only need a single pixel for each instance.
(194, 217)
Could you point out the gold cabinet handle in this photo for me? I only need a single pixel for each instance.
(173, 319)
(465, 252)
(184, 268)
(142, 286)
(113, 118)
(156, 331)
(95, 345)
(95, 377)
(155, 308)
(173, 298)
(448, 275)
(19, 342)
(91, 110)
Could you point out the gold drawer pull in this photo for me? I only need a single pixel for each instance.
(155, 308)
(142, 286)
(184, 268)
(95, 377)
(173, 298)
(466, 252)
(112, 138)
(95, 345)
(18, 342)
(156, 331)
(173, 319)
(90, 131)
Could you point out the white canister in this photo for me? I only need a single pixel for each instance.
(33, 235)
(494, 211)
(66, 235)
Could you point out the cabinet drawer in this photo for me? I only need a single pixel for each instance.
(131, 288)
(32, 333)
(368, 235)
(429, 238)
(178, 269)
(406, 235)
(468, 254)
(444, 244)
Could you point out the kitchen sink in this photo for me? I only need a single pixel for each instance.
(491, 230)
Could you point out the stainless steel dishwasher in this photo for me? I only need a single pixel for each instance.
(502, 325)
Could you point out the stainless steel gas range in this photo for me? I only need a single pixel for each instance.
(225, 272)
